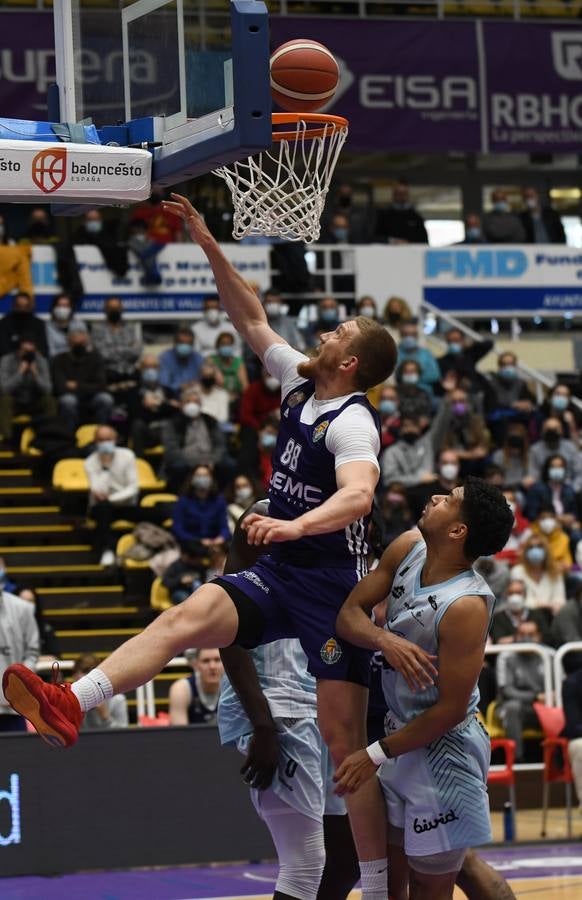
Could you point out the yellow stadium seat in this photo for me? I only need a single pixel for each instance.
(125, 542)
(85, 434)
(154, 499)
(492, 723)
(26, 439)
(159, 596)
(148, 481)
(158, 450)
(69, 475)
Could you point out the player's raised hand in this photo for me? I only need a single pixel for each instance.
(413, 663)
(180, 206)
(265, 530)
(356, 769)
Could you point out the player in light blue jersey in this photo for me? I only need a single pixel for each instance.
(325, 472)
(433, 763)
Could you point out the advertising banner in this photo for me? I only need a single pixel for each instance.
(496, 280)
(186, 279)
(441, 86)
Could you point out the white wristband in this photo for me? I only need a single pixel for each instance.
(376, 753)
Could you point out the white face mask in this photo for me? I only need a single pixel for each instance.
(192, 410)
(243, 494)
(515, 602)
(271, 383)
(449, 471)
(548, 525)
(368, 311)
(62, 313)
(212, 316)
(273, 310)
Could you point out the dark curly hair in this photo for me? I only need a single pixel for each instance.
(488, 518)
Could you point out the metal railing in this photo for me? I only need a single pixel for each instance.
(146, 698)
(547, 654)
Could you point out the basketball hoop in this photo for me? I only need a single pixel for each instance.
(281, 192)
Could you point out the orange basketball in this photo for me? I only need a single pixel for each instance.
(304, 75)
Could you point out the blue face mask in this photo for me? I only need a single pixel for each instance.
(328, 315)
(535, 555)
(410, 378)
(455, 347)
(150, 375)
(409, 342)
(105, 446)
(508, 372)
(268, 440)
(556, 473)
(2, 576)
(560, 403)
(341, 235)
(226, 350)
(473, 234)
(183, 350)
(388, 407)
(501, 206)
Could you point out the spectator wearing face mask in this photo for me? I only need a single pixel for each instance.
(214, 399)
(501, 225)
(400, 223)
(187, 573)
(520, 682)
(22, 321)
(515, 611)
(192, 438)
(396, 311)
(260, 399)
(279, 320)
(57, 327)
(79, 381)
(466, 434)
(513, 457)
(461, 359)
(120, 344)
(495, 572)
(507, 398)
(388, 410)
(180, 365)
(553, 492)
(553, 442)
(337, 230)
(213, 323)
(394, 515)
(541, 223)
(113, 489)
(104, 234)
(520, 531)
(543, 580)
(411, 459)
(322, 316)
(446, 479)
(409, 349)
(257, 460)
(25, 385)
(548, 525)
(414, 401)
(243, 494)
(474, 230)
(151, 407)
(231, 366)
(199, 516)
(558, 405)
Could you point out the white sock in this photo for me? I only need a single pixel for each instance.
(374, 873)
(92, 689)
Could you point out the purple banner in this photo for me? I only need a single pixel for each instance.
(421, 86)
(27, 64)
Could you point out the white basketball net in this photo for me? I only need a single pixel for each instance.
(281, 192)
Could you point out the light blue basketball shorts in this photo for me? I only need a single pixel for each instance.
(438, 793)
(304, 779)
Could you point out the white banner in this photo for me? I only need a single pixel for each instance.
(35, 171)
(475, 279)
(186, 279)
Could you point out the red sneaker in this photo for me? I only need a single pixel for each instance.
(53, 709)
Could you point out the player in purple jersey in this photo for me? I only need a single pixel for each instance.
(325, 472)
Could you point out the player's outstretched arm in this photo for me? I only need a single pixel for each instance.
(239, 300)
(462, 635)
(353, 621)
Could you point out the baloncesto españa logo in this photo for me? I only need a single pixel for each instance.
(49, 169)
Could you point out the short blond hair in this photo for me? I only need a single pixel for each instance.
(376, 352)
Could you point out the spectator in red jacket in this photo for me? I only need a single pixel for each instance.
(259, 399)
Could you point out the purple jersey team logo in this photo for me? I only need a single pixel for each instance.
(331, 652)
(319, 431)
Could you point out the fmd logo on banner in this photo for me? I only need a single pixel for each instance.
(494, 279)
(10, 832)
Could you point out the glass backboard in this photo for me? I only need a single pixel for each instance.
(177, 64)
